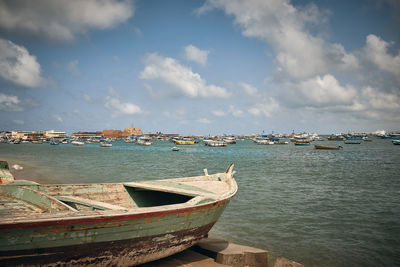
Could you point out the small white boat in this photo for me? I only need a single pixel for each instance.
(144, 141)
(77, 143)
(175, 148)
(264, 142)
(215, 143)
(105, 144)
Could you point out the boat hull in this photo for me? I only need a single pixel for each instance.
(116, 241)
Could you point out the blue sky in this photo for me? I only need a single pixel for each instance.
(200, 67)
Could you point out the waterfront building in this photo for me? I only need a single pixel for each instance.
(88, 135)
(52, 134)
(122, 134)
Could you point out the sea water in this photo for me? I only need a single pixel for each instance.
(317, 207)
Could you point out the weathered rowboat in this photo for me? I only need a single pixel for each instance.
(328, 147)
(109, 224)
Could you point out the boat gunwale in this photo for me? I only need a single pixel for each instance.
(128, 213)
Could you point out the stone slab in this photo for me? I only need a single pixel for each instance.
(232, 254)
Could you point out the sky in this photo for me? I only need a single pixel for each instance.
(200, 67)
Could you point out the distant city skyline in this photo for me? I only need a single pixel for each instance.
(200, 67)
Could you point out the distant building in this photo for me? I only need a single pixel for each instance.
(87, 135)
(122, 134)
(53, 134)
(24, 135)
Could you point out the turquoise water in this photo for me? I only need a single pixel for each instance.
(317, 207)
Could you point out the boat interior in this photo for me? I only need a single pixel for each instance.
(21, 197)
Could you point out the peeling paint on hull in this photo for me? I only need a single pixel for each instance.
(128, 252)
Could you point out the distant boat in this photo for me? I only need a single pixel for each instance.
(215, 143)
(336, 138)
(302, 144)
(77, 143)
(54, 143)
(144, 141)
(349, 142)
(396, 142)
(175, 148)
(264, 142)
(280, 142)
(184, 142)
(105, 144)
(328, 147)
(107, 224)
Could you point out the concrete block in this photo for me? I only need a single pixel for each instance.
(232, 254)
(187, 258)
(283, 262)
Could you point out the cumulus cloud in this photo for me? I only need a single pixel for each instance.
(298, 52)
(10, 103)
(117, 108)
(73, 68)
(248, 88)
(18, 66)
(380, 100)
(326, 90)
(62, 20)
(375, 50)
(197, 55)
(58, 118)
(203, 120)
(231, 110)
(182, 78)
(266, 107)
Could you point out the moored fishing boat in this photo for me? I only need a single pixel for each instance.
(144, 141)
(396, 142)
(117, 224)
(336, 138)
(302, 144)
(105, 144)
(77, 143)
(351, 142)
(328, 147)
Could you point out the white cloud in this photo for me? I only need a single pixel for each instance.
(325, 91)
(10, 103)
(249, 89)
(182, 78)
(87, 98)
(113, 104)
(57, 117)
(266, 107)
(73, 68)
(62, 20)
(375, 50)
(19, 122)
(380, 100)
(230, 111)
(219, 113)
(285, 28)
(203, 120)
(177, 114)
(18, 66)
(197, 55)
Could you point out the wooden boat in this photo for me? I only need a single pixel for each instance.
(396, 142)
(184, 142)
(328, 147)
(215, 143)
(108, 224)
(105, 144)
(144, 141)
(301, 144)
(352, 142)
(336, 138)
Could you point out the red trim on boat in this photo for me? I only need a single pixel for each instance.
(103, 218)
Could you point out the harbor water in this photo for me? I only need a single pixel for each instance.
(316, 207)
